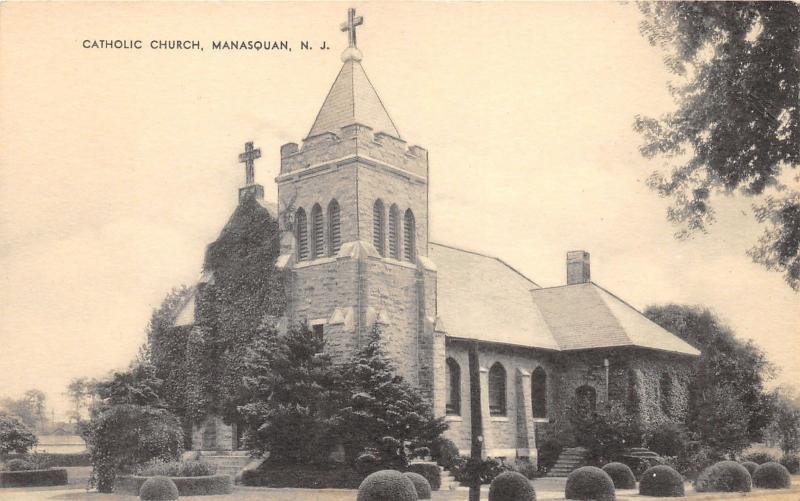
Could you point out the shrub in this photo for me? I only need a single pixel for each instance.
(33, 478)
(524, 467)
(750, 467)
(367, 463)
(725, 476)
(772, 476)
(511, 486)
(322, 476)
(421, 452)
(661, 481)
(759, 457)
(791, 462)
(19, 465)
(444, 451)
(621, 475)
(55, 458)
(159, 468)
(430, 471)
(668, 440)
(590, 482)
(387, 484)
(15, 436)
(421, 485)
(124, 436)
(204, 486)
(696, 458)
(548, 453)
(470, 471)
(158, 489)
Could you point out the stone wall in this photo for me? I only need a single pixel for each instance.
(634, 380)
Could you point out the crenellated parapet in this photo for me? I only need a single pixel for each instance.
(354, 141)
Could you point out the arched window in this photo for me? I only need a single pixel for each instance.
(378, 227)
(453, 405)
(394, 232)
(497, 390)
(317, 233)
(665, 393)
(301, 226)
(334, 228)
(633, 401)
(539, 393)
(586, 397)
(409, 237)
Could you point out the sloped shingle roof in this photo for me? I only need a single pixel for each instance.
(480, 297)
(352, 99)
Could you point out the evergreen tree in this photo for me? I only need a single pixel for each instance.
(289, 396)
(379, 403)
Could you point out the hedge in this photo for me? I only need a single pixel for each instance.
(621, 475)
(387, 485)
(421, 485)
(187, 486)
(725, 476)
(661, 481)
(33, 478)
(772, 475)
(58, 459)
(303, 476)
(511, 486)
(590, 482)
(158, 489)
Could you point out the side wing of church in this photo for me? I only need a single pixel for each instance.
(355, 252)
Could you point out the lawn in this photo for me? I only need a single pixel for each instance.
(546, 489)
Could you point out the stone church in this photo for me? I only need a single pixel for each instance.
(356, 251)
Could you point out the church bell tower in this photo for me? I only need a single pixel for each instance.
(354, 204)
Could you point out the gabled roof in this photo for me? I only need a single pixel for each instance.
(585, 316)
(352, 99)
(481, 297)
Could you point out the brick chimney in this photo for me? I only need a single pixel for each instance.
(578, 271)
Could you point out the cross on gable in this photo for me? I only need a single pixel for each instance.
(248, 158)
(350, 26)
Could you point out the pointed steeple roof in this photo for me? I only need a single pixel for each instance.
(352, 99)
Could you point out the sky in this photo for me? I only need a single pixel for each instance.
(118, 167)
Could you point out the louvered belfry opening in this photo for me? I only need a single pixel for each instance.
(409, 232)
(394, 232)
(334, 228)
(378, 225)
(317, 233)
(302, 234)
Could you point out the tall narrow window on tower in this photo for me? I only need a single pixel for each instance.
(378, 227)
(409, 237)
(301, 226)
(334, 228)
(394, 232)
(317, 233)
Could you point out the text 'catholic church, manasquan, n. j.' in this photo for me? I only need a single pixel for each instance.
(355, 252)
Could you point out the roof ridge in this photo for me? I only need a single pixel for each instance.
(488, 257)
(380, 101)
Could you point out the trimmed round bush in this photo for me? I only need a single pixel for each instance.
(791, 462)
(18, 465)
(590, 482)
(158, 489)
(366, 463)
(661, 481)
(430, 471)
(759, 457)
(511, 486)
(387, 485)
(725, 476)
(772, 475)
(750, 467)
(421, 485)
(621, 475)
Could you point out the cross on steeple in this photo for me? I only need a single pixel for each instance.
(247, 158)
(350, 26)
